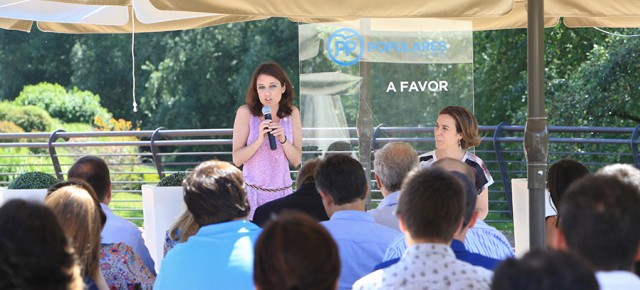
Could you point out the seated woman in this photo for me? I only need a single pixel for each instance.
(561, 174)
(34, 251)
(295, 252)
(79, 214)
(180, 231)
(119, 266)
(123, 269)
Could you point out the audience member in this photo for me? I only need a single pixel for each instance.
(630, 175)
(480, 238)
(625, 172)
(362, 242)
(34, 251)
(599, 220)
(119, 265)
(561, 174)
(220, 254)
(338, 147)
(95, 171)
(305, 199)
(78, 213)
(469, 219)
(391, 164)
(180, 231)
(430, 212)
(540, 269)
(295, 252)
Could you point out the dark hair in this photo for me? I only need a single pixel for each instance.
(343, 178)
(600, 219)
(561, 174)
(338, 147)
(393, 162)
(431, 205)
(214, 193)
(285, 107)
(307, 172)
(34, 251)
(95, 171)
(295, 252)
(466, 124)
(540, 269)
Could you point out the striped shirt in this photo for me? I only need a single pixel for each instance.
(486, 240)
(481, 239)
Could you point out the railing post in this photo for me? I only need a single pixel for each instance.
(54, 155)
(634, 146)
(154, 152)
(503, 167)
(376, 133)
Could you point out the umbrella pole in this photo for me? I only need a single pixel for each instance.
(536, 138)
(364, 123)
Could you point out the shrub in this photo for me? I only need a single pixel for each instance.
(29, 118)
(33, 180)
(69, 106)
(173, 179)
(10, 127)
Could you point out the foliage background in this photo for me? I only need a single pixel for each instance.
(197, 78)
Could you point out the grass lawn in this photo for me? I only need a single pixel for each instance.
(128, 205)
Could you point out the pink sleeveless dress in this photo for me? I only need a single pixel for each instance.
(266, 174)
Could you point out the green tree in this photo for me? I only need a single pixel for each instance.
(31, 58)
(603, 90)
(103, 64)
(205, 73)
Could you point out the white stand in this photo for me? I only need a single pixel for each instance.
(37, 195)
(520, 198)
(161, 208)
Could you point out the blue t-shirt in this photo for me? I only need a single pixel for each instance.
(219, 256)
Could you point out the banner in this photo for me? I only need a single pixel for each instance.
(391, 72)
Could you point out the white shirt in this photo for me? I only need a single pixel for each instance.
(118, 229)
(428, 265)
(549, 208)
(385, 213)
(618, 280)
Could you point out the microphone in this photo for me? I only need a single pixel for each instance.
(266, 111)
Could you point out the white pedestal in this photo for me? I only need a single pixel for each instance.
(520, 198)
(161, 208)
(26, 194)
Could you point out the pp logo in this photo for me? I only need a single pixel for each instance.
(343, 44)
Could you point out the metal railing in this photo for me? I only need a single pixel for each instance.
(143, 157)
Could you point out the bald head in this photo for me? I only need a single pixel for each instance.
(450, 164)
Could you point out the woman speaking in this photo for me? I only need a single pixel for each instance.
(267, 136)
